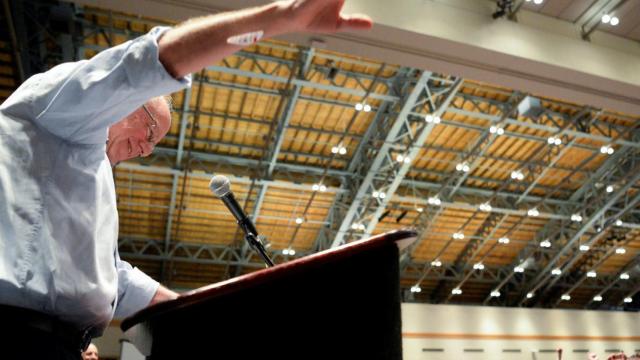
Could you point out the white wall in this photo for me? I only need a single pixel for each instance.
(455, 328)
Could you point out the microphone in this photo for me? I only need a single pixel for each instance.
(221, 188)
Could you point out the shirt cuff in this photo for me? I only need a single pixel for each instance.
(139, 71)
(138, 291)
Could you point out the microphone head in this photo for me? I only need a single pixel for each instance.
(219, 185)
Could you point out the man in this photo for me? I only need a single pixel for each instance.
(61, 279)
(91, 353)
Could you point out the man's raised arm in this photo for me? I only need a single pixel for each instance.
(200, 42)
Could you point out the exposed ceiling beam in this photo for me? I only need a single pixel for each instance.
(603, 205)
(591, 18)
(383, 158)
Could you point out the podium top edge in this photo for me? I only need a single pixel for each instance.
(402, 238)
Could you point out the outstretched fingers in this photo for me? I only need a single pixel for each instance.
(355, 22)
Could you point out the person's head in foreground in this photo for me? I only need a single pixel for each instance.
(91, 353)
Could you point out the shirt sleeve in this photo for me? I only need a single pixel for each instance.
(135, 289)
(79, 101)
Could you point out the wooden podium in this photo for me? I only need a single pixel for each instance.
(343, 303)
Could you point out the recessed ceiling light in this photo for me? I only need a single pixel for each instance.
(614, 21)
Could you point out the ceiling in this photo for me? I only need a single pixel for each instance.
(273, 118)
(579, 11)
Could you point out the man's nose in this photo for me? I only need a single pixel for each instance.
(147, 148)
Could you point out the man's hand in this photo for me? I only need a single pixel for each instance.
(163, 294)
(198, 43)
(325, 16)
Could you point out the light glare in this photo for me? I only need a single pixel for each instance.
(624, 276)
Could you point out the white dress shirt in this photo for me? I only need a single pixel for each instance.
(58, 214)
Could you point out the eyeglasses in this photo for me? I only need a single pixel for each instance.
(151, 127)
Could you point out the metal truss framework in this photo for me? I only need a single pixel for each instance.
(383, 174)
(221, 255)
(398, 128)
(596, 206)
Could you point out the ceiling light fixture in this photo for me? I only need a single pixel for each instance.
(432, 119)
(517, 175)
(403, 159)
(363, 107)
(496, 130)
(624, 276)
(379, 195)
(607, 149)
(319, 187)
(339, 149)
(486, 207)
(463, 167)
(610, 19)
(552, 140)
(357, 226)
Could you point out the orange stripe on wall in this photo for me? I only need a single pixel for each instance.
(516, 337)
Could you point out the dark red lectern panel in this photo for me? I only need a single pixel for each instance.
(342, 303)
